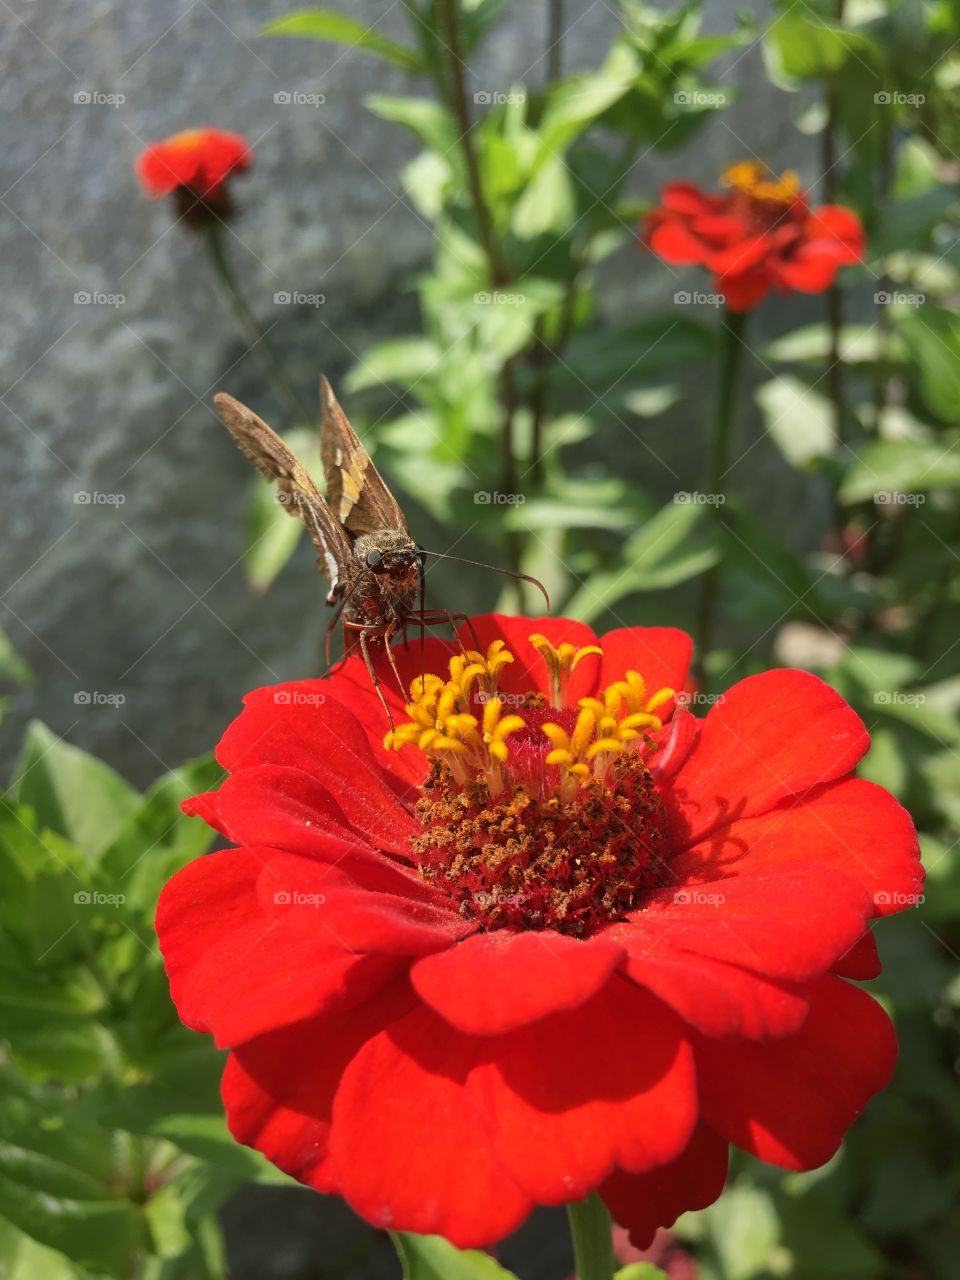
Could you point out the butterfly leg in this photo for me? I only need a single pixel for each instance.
(362, 633)
(387, 637)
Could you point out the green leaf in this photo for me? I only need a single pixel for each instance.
(800, 46)
(432, 123)
(71, 792)
(573, 104)
(810, 344)
(433, 1258)
(633, 351)
(799, 420)
(745, 1230)
(549, 203)
(404, 361)
(933, 338)
(891, 470)
(321, 24)
(666, 551)
(641, 1271)
(24, 1259)
(12, 666)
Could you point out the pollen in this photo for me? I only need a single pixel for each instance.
(536, 813)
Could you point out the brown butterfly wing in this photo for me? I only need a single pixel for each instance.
(275, 461)
(357, 494)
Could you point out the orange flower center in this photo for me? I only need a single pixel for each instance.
(546, 816)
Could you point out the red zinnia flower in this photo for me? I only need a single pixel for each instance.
(195, 165)
(760, 234)
(553, 934)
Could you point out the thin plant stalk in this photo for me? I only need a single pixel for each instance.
(497, 269)
(730, 359)
(250, 331)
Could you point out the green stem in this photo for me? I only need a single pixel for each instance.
(731, 351)
(497, 269)
(251, 332)
(835, 382)
(592, 1233)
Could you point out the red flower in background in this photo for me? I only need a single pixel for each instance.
(195, 165)
(759, 235)
(555, 934)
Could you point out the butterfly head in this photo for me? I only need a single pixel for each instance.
(393, 557)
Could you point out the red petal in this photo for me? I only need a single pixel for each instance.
(568, 1099)
(772, 737)
(409, 1149)
(674, 242)
(278, 1089)
(852, 825)
(661, 655)
(744, 292)
(255, 939)
(790, 1101)
(861, 962)
(304, 727)
(687, 197)
(207, 900)
(738, 259)
(643, 1202)
(285, 807)
(836, 223)
(494, 982)
(788, 922)
(718, 999)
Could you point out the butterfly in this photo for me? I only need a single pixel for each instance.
(374, 568)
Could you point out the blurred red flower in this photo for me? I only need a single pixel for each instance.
(555, 933)
(760, 234)
(196, 163)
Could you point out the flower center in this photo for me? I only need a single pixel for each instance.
(761, 198)
(546, 815)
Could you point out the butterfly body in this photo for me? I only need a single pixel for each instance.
(383, 584)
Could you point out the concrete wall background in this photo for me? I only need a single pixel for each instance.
(148, 598)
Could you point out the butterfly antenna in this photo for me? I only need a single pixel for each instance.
(494, 568)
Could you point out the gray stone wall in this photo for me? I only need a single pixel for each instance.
(140, 591)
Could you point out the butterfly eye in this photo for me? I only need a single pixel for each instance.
(374, 560)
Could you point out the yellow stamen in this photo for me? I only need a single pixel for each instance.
(758, 182)
(561, 661)
(461, 720)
